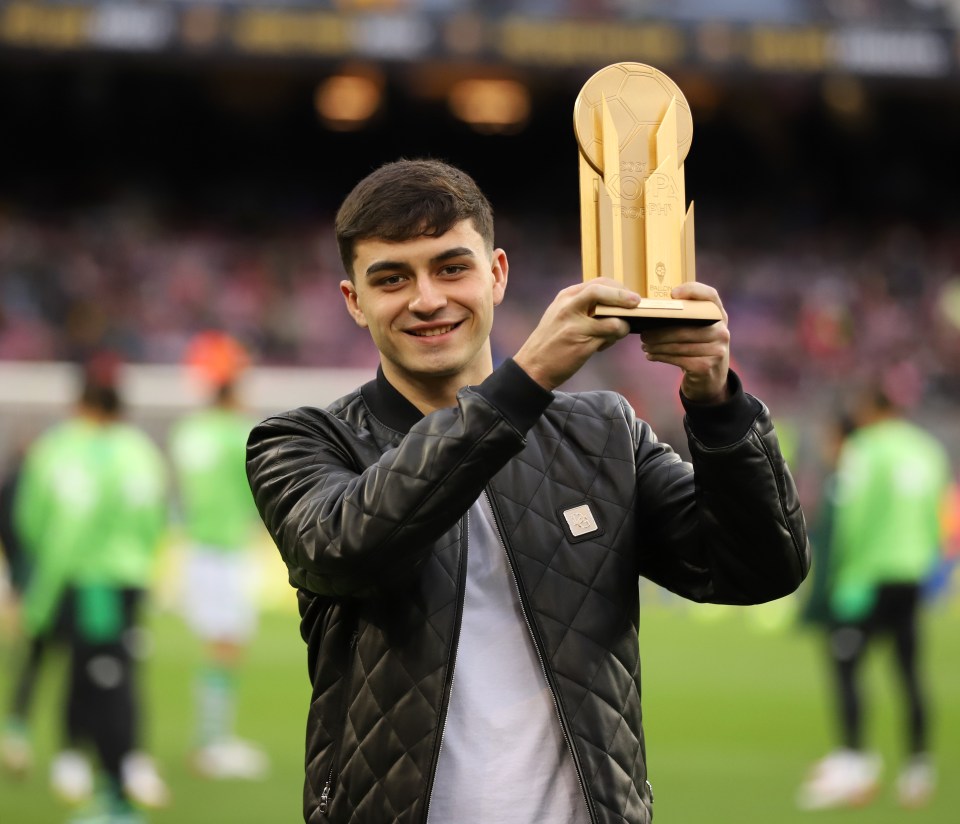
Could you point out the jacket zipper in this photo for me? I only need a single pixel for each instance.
(452, 660)
(327, 793)
(543, 666)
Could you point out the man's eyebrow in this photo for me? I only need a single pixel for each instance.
(397, 265)
(380, 265)
(456, 251)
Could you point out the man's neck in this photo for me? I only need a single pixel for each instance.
(427, 396)
(877, 416)
(433, 392)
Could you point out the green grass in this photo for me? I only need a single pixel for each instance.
(274, 694)
(736, 708)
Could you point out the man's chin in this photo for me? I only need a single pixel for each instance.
(437, 368)
(436, 372)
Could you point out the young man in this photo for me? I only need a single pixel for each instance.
(891, 492)
(466, 542)
(91, 510)
(219, 521)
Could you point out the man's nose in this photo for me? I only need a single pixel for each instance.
(427, 297)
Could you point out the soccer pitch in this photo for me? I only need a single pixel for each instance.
(735, 702)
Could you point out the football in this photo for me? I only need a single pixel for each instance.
(637, 97)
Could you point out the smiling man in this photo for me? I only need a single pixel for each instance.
(466, 541)
(428, 303)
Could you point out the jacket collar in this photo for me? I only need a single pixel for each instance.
(388, 405)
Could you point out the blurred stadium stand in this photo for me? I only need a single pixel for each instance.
(174, 166)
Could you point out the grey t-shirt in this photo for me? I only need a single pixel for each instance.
(503, 757)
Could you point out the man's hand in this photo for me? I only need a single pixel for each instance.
(568, 333)
(702, 352)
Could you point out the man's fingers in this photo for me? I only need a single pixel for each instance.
(686, 350)
(607, 292)
(681, 335)
(609, 330)
(695, 290)
(684, 337)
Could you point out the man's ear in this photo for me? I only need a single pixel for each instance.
(349, 292)
(500, 268)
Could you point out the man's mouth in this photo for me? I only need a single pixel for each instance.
(434, 331)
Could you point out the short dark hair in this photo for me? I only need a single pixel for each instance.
(102, 399)
(407, 199)
(100, 383)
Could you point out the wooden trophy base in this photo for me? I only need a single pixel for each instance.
(656, 314)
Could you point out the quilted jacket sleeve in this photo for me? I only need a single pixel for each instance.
(348, 517)
(732, 530)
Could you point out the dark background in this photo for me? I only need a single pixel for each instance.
(242, 140)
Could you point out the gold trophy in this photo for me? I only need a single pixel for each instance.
(634, 128)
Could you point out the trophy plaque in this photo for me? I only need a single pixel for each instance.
(633, 127)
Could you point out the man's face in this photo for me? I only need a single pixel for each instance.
(428, 303)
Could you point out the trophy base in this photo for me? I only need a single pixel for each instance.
(657, 314)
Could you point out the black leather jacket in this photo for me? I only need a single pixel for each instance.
(366, 502)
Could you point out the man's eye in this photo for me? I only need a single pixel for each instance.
(452, 269)
(390, 280)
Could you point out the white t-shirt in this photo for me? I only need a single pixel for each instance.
(503, 757)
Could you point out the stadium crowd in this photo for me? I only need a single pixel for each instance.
(811, 308)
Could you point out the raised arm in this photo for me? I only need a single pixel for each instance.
(731, 530)
(350, 517)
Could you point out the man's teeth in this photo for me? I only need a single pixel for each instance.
(429, 333)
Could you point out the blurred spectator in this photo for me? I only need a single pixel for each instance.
(208, 451)
(885, 540)
(816, 609)
(90, 508)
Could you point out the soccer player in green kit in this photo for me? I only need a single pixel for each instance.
(208, 451)
(891, 487)
(91, 508)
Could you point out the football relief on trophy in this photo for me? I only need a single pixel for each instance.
(633, 127)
